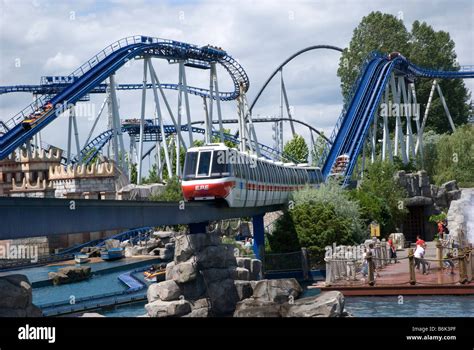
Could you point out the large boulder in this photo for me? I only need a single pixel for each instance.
(257, 308)
(213, 275)
(244, 289)
(279, 290)
(223, 296)
(200, 308)
(255, 269)
(243, 262)
(165, 290)
(16, 297)
(183, 272)
(194, 289)
(189, 245)
(240, 273)
(160, 308)
(327, 304)
(70, 274)
(216, 257)
(450, 186)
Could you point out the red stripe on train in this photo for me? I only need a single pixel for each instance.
(217, 190)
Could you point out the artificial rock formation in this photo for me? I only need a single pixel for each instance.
(16, 297)
(70, 274)
(204, 279)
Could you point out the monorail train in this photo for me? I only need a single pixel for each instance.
(216, 171)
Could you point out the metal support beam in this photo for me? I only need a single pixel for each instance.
(425, 116)
(218, 101)
(445, 106)
(142, 123)
(258, 236)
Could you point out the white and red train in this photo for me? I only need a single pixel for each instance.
(216, 171)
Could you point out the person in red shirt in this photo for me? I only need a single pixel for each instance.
(419, 241)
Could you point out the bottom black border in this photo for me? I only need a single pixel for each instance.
(146, 331)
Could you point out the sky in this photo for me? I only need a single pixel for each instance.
(55, 37)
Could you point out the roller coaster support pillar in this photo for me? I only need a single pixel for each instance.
(207, 122)
(399, 140)
(119, 148)
(96, 120)
(417, 122)
(184, 86)
(386, 142)
(155, 82)
(408, 110)
(199, 227)
(288, 109)
(142, 123)
(443, 101)
(218, 101)
(72, 128)
(258, 236)
(425, 116)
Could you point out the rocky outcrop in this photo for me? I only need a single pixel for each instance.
(160, 308)
(327, 304)
(421, 193)
(279, 298)
(70, 274)
(203, 269)
(461, 218)
(161, 244)
(16, 297)
(280, 290)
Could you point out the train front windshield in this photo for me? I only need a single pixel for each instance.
(205, 164)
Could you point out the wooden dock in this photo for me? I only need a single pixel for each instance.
(394, 279)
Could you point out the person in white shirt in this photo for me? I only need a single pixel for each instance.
(420, 258)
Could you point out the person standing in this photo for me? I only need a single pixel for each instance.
(420, 258)
(392, 251)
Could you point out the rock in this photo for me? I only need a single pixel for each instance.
(91, 251)
(200, 308)
(255, 269)
(112, 243)
(426, 191)
(450, 186)
(128, 252)
(161, 308)
(241, 273)
(70, 274)
(414, 181)
(278, 290)
(223, 296)
(15, 292)
(423, 179)
(441, 199)
(195, 289)
(244, 289)
(243, 262)
(257, 308)
(213, 275)
(418, 201)
(327, 304)
(188, 245)
(434, 191)
(162, 253)
(16, 297)
(163, 234)
(165, 290)
(453, 195)
(183, 272)
(91, 314)
(216, 257)
(400, 176)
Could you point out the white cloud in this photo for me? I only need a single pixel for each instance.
(61, 62)
(260, 34)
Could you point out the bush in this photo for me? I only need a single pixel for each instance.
(171, 193)
(317, 218)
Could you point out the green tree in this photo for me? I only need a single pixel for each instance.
(171, 193)
(297, 149)
(380, 197)
(424, 47)
(319, 217)
(376, 32)
(455, 159)
(435, 49)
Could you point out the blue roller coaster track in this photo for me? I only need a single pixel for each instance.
(352, 125)
(92, 149)
(92, 73)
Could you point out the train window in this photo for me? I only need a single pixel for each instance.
(190, 165)
(219, 166)
(204, 164)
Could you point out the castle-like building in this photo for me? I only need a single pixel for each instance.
(39, 173)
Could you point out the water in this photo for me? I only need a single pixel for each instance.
(412, 306)
(129, 310)
(93, 286)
